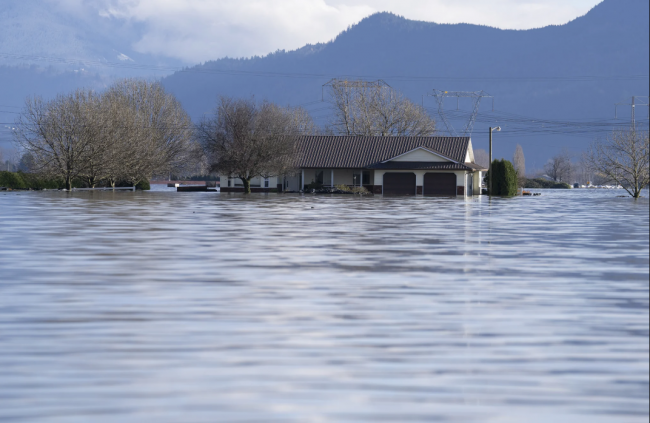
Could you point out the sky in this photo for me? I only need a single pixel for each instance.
(200, 30)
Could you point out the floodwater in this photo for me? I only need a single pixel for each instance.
(206, 307)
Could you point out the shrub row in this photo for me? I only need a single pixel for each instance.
(21, 180)
(543, 183)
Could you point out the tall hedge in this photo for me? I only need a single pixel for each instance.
(12, 180)
(34, 181)
(505, 178)
(20, 180)
(543, 183)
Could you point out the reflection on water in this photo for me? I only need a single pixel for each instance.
(202, 307)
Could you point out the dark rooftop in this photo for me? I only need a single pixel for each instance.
(332, 152)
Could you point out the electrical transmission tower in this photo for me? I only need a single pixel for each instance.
(636, 101)
(354, 83)
(476, 97)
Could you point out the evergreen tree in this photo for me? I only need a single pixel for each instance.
(505, 178)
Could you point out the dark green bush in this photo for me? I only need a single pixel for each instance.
(535, 183)
(143, 185)
(314, 185)
(561, 185)
(543, 183)
(12, 180)
(505, 178)
(34, 181)
(21, 180)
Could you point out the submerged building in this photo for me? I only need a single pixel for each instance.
(407, 166)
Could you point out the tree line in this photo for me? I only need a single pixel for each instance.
(128, 133)
(134, 130)
(621, 158)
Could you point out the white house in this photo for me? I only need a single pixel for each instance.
(431, 166)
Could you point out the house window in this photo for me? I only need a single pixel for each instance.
(319, 177)
(361, 177)
(266, 182)
(229, 182)
(366, 177)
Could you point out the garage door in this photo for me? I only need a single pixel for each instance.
(440, 184)
(399, 183)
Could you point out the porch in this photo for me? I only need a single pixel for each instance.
(330, 178)
(389, 182)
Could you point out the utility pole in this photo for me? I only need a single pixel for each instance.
(498, 128)
(490, 167)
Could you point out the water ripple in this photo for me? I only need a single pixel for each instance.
(204, 307)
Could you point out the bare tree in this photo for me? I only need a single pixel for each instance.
(26, 163)
(623, 158)
(144, 131)
(559, 167)
(247, 140)
(519, 162)
(92, 163)
(129, 133)
(376, 110)
(582, 172)
(57, 134)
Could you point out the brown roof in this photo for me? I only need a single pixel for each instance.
(332, 152)
(423, 166)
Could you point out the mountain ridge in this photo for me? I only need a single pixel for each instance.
(534, 72)
(531, 71)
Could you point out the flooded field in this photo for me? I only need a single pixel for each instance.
(204, 307)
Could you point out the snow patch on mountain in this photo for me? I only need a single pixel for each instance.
(124, 58)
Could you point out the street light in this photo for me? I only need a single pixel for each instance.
(498, 128)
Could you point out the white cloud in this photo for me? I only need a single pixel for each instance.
(199, 30)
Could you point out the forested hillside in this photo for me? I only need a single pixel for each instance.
(571, 72)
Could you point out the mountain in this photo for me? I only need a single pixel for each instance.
(575, 71)
(47, 48)
(69, 37)
(539, 78)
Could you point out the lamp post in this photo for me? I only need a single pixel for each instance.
(498, 128)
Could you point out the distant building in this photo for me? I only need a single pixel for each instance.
(408, 166)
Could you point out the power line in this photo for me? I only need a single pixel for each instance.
(476, 97)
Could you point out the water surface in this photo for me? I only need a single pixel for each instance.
(203, 307)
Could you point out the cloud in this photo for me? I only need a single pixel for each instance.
(200, 30)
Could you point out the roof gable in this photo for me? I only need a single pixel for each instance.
(420, 154)
(352, 152)
(470, 153)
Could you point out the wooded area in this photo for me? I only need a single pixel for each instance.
(128, 133)
(135, 130)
